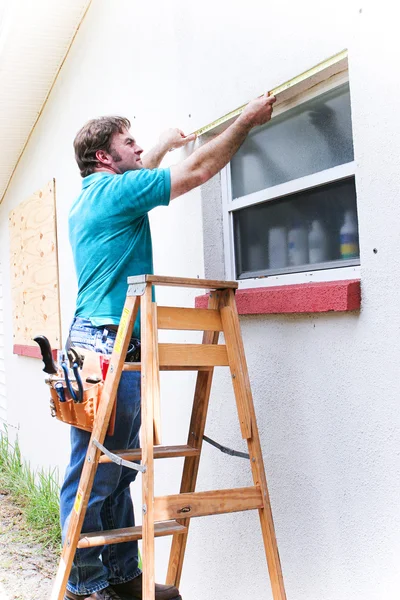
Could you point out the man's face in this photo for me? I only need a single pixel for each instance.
(125, 153)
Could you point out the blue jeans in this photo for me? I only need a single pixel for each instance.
(110, 505)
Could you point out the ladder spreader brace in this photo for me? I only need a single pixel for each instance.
(170, 515)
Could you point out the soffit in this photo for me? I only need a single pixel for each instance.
(35, 37)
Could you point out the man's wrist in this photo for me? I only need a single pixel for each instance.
(245, 122)
(164, 147)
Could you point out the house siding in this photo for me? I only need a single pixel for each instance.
(326, 386)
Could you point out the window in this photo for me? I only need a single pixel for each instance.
(289, 193)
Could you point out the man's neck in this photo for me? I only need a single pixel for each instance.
(105, 170)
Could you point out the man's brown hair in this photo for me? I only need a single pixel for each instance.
(95, 135)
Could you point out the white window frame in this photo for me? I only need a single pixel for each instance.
(230, 205)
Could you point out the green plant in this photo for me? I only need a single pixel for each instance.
(36, 493)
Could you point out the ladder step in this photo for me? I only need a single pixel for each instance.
(159, 452)
(200, 504)
(187, 356)
(129, 534)
(137, 366)
(193, 355)
(188, 319)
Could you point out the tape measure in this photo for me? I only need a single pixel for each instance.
(330, 62)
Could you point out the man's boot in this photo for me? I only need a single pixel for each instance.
(107, 594)
(132, 590)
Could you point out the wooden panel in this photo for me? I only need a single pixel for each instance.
(34, 269)
(159, 452)
(207, 284)
(201, 355)
(189, 319)
(129, 534)
(200, 504)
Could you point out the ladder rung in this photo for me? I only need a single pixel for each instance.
(188, 319)
(200, 504)
(183, 357)
(137, 366)
(193, 355)
(129, 534)
(159, 452)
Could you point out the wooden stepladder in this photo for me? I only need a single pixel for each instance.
(170, 515)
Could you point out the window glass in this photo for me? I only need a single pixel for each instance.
(308, 230)
(311, 137)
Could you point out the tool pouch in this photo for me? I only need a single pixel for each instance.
(80, 414)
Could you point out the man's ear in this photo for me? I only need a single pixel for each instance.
(103, 157)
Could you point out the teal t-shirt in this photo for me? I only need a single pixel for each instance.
(109, 232)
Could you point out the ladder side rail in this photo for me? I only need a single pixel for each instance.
(149, 391)
(257, 465)
(156, 383)
(99, 432)
(240, 379)
(195, 439)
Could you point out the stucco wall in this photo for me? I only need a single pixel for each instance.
(325, 387)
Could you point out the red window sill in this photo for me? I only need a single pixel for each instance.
(339, 296)
(31, 351)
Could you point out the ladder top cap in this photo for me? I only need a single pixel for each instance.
(210, 284)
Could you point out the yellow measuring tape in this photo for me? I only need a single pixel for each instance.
(278, 90)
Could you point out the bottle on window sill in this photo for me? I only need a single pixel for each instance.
(256, 256)
(349, 236)
(298, 245)
(278, 247)
(317, 243)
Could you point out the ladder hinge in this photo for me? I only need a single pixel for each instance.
(118, 460)
(136, 289)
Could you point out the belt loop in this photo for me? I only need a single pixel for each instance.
(105, 335)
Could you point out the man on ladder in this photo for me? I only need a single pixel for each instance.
(111, 240)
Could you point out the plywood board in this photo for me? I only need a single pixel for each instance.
(34, 269)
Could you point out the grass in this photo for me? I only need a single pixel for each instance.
(36, 493)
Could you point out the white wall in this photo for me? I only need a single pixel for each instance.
(325, 386)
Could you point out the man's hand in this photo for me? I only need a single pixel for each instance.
(170, 139)
(175, 138)
(258, 111)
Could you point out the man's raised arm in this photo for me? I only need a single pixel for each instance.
(207, 161)
(170, 139)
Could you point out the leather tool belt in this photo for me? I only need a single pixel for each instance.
(76, 383)
(79, 414)
(77, 403)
